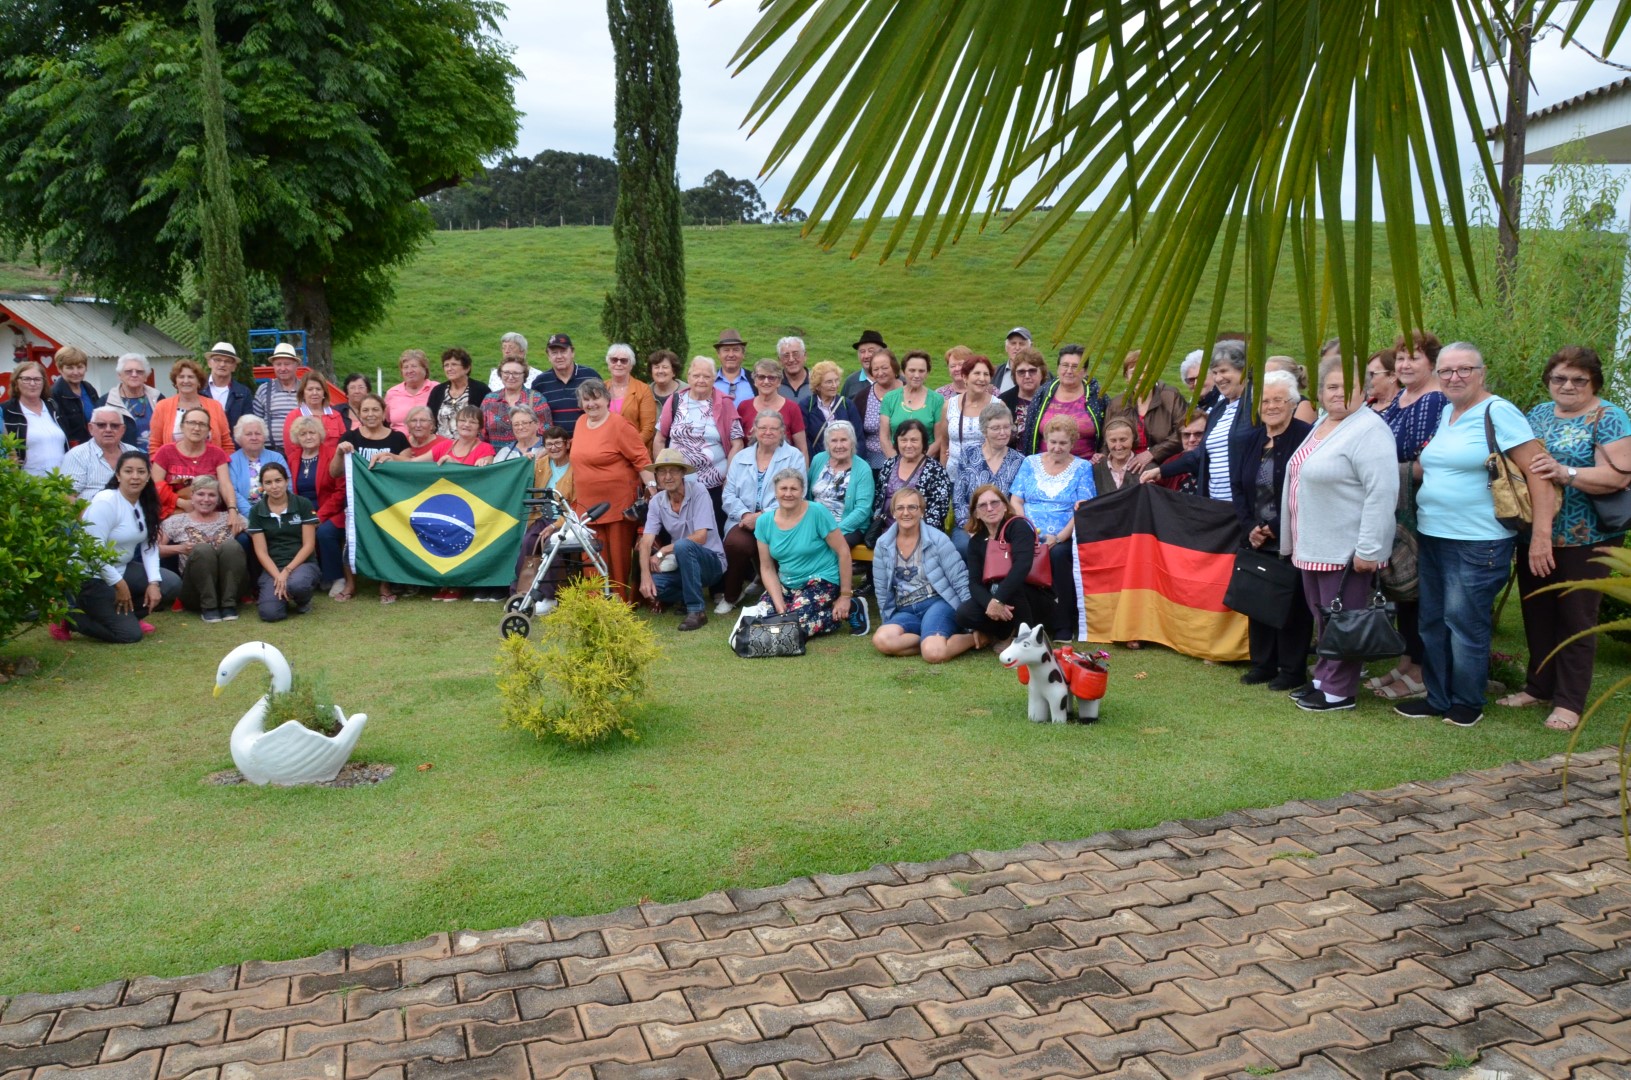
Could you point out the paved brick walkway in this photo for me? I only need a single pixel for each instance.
(1369, 935)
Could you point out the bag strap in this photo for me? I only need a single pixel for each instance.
(1595, 446)
(1489, 428)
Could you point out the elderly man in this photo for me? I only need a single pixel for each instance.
(90, 464)
(795, 376)
(233, 396)
(865, 349)
(731, 380)
(1003, 380)
(279, 396)
(560, 383)
(134, 398)
(512, 346)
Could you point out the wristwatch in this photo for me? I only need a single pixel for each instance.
(1573, 472)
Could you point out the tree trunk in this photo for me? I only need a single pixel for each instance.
(305, 307)
(1513, 134)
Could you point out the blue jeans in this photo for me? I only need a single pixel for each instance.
(926, 618)
(698, 569)
(1460, 580)
(330, 552)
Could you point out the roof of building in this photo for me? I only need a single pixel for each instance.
(1567, 104)
(95, 326)
(1600, 119)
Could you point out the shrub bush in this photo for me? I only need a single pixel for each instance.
(580, 685)
(307, 702)
(45, 556)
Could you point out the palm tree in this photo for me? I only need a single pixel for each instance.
(1204, 128)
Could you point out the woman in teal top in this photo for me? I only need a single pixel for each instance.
(913, 400)
(803, 558)
(846, 491)
(1587, 444)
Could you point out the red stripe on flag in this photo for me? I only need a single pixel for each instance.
(1196, 579)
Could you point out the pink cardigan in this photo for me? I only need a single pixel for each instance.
(723, 408)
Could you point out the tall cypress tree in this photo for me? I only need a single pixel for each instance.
(647, 306)
(226, 290)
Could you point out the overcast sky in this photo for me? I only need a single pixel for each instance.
(564, 50)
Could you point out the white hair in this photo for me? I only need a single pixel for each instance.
(1463, 346)
(838, 427)
(705, 361)
(620, 348)
(513, 338)
(789, 474)
(114, 409)
(245, 422)
(147, 369)
(789, 343)
(1285, 379)
(1191, 364)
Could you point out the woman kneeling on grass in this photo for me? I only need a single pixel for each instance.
(920, 580)
(803, 558)
(212, 563)
(283, 528)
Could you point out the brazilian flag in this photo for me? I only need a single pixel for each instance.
(416, 523)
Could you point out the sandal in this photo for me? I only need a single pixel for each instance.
(387, 597)
(1522, 700)
(1560, 720)
(340, 598)
(1380, 681)
(1412, 689)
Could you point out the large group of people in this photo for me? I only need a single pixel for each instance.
(951, 508)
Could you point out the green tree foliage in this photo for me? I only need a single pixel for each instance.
(553, 188)
(226, 290)
(44, 553)
(582, 685)
(721, 198)
(646, 308)
(341, 116)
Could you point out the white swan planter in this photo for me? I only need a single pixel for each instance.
(291, 753)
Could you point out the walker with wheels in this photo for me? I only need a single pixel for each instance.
(569, 537)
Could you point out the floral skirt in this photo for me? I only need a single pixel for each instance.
(812, 602)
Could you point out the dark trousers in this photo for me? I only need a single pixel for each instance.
(1549, 619)
(741, 561)
(302, 583)
(1283, 651)
(1031, 606)
(330, 552)
(1338, 677)
(1409, 614)
(1062, 557)
(94, 614)
(214, 577)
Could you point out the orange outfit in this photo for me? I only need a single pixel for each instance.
(606, 464)
(639, 408)
(163, 427)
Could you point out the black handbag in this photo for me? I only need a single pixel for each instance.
(1613, 509)
(1366, 633)
(775, 634)
(1262, 587)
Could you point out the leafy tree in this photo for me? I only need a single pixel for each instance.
(44, 553)
(554, 188)
(340, 117)
(790, 214)
(226, 292)
(647, 306)
(722, 198)
(1202, 129)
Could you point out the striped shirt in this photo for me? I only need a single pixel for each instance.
(1217, 454)
(1294, 470)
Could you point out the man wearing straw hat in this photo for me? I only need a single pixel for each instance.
(694, 558)
(233, 396)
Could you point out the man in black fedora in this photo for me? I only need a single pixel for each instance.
(871, 341)
(731, 380)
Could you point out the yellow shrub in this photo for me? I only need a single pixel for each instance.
(582, 681)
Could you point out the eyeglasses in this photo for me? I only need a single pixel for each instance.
(988, 504)
(1457, 372)
(29, 378)
(767, 378)
(195, 423)
(105, 424)
(1569, 380)
(908, 508)
(620, 359)
(1191, 380)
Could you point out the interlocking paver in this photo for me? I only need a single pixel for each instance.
(1479, 914)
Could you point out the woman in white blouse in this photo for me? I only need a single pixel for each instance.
(112, 604)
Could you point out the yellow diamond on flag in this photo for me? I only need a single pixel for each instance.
(444, 524)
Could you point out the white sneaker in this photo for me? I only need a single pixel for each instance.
(544, 607)
(723, 607)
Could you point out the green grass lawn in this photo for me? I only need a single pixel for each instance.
(119, 861)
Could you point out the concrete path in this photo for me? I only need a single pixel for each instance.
(1478, 919)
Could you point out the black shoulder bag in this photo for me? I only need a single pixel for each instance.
(1365, 633)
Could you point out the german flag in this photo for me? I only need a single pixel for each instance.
(1153, 565)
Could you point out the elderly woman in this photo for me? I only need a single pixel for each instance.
(356, 387)
(499, 408)
(527, 437)
(424, 443)
(920, 581)
(913, 400)
(553, 470)
(1336, 510)
(1156, 417)
(664, 368)
(1227, 424)
(283, 528)
(999, 602)
(75, 398)
(912, 466)
(836, 483)
(693, 560)
(244, 466)
(1381, 382)
(113, 602)
(1465, 555)
(1046, 492)
(212, 564)
(1029, 369)
(749, 493)
(372, 438)
(956, 358)
(468, 447)
(883, 371)
(188, 378)
(827, 404)
(1279, 653)
(313, 395)
(767, 397)
(609, 464)
(135, 398)
(311, 456)
(631, 398)
(1070, 394)
(803, 559)
(1118, 464)
(1304, 409)
(412, 392)
(963, 413)
(990, 461)
(1588, 452)
(32, 418)
(195, 454)
(456, 391)
(701, 422)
